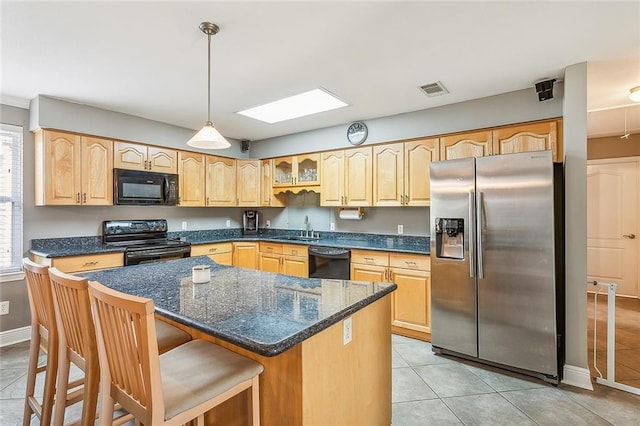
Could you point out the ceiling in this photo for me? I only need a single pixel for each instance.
(149, 58)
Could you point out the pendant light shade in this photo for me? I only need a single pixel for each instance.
(634, 94)
(208, 137)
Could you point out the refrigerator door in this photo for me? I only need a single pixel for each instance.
(515, 256)
(453, 292)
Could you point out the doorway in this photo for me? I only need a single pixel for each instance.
(613, 225)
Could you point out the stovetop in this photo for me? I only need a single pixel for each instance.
(138, 234)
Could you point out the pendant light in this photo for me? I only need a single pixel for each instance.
(208, 137)
(634, 94)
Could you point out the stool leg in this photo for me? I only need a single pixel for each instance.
(61, 387)
(49, 387)
(91, 388)
(34, 352)
(255, 401)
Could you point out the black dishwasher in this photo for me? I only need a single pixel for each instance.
(329, 262)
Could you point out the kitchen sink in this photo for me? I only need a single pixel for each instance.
(297, 238)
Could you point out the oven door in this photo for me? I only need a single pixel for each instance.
(152, 255)
(140, 187)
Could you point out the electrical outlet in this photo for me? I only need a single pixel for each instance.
(268, 225)
(184, 225)
(347, 330)
(4, 308)
(400, 229)
(332, 226)
(228, 223)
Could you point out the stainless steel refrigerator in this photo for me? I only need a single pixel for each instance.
(497, 259)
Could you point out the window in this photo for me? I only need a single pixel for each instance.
(10, 199)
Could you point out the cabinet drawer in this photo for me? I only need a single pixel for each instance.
(266, 247)
(410, 261)
(368, 257)
(208, 249)
(88, 262)
(295, 250)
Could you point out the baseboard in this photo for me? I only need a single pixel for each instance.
(577, 376)
(14, 336)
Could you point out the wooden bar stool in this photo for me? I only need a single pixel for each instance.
(169, 389)
(78, 345)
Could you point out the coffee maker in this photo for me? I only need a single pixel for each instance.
(250, 222)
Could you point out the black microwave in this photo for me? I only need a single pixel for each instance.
(144, 188)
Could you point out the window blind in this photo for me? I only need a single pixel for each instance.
(10, 199)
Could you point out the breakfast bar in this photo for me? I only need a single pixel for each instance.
(325, 344)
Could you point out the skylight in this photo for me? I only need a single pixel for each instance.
(307, 103)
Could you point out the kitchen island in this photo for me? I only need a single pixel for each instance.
(325, 344)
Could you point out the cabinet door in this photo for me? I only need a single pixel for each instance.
(248, 182)
(296, 266)
(410, 303)
(360, 272)
(388, 174)
(270, 262)
(97, 171)
(307, 169)
(267, 197)
(332, 181)
(283, 171)
(131, 156)
(417, 157)
(191, 178)
(526, 137)
(358, 177)
(245, 255)
(162, 160)
(221, 181)
(61, 176)
(466, 145)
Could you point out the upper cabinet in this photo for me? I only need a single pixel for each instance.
(248, 183)
(220, 182)
(529, 137)
(466, 145)
(72, 169)
(296, 171)
(191, 177)
(267, 197)
(133, 156)
(346, 177)
(401, 172)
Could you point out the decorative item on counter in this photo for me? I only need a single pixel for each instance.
(201, 274)
(351, 214)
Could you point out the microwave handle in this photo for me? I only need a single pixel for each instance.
(166, 189)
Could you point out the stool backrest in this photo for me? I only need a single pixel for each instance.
(128, 351)
(40, 298)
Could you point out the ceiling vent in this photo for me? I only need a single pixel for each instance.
(434, 89)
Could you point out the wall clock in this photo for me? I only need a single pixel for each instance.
(357, 132)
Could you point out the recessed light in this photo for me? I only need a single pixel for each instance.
(307, 103)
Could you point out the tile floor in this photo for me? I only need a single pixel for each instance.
(428, 390)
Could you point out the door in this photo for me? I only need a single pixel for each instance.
(358, 172)
(453, 288)
(515, 261)
(221, 182)
(417, 157)
(248, 182)
(97, 171)
(388, 174)
(612, 223)
(162, 160)
(191, 178)
(466, 145)
(332, 180)
(62, 160)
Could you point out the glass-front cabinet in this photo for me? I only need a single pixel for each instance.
(299, 170)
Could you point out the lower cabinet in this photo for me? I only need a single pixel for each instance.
(82, 263)
(288, 259)
(411, 302)
(221, 253)
(245, 255)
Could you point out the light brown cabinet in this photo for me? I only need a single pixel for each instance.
(91, 262)
(133, 156)
(288, 259)
(220, 182)
(191, 173)
(528, 137)
(267, 197)
(221, 253)
(466, 145)
(296, 171)
(411, 302)
(346, 178)
(245, 254)
(72, 170)
(248, 183)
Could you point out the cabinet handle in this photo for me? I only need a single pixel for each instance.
(294, 251)
(237, 201)
(386, 274)
(207, 201)
(211, 250)
(84, 198)
(77, 198)
(269, 249)
(390, 277)
(90, 263)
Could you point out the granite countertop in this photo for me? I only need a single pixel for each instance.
(262, 312)
(76, 246)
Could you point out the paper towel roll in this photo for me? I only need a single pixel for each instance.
(351, 214)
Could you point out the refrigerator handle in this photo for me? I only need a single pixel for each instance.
(479, 223)
(472, 235)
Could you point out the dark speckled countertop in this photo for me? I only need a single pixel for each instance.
(263, 312)
(75, 246)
